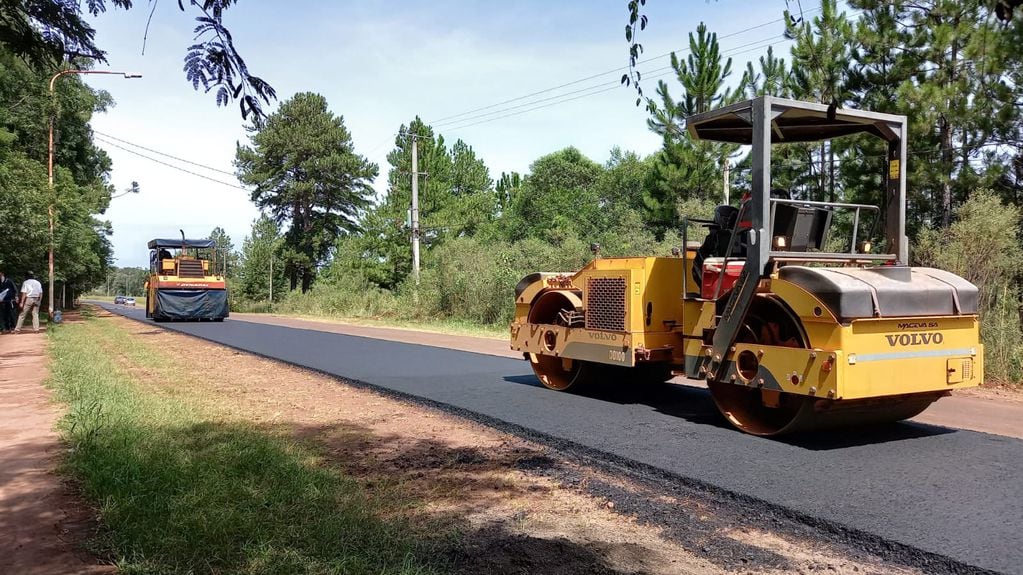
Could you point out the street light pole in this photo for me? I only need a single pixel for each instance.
(53, 196)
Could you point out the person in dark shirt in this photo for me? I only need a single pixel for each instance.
(8, 294)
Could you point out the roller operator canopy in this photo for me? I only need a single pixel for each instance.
(792, 121)
(179, 243)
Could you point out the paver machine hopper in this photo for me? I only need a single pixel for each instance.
(787, 334)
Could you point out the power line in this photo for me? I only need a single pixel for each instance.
(613, 71)
(612, 84)
(140, 146)
(172, 166)
(597, 89)
(453, 124)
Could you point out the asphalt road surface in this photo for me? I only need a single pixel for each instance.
(957, 494)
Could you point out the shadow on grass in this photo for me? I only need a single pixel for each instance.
(423, 474)
(223, 497)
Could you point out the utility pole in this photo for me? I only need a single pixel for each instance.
(415, 207)
(271, 281)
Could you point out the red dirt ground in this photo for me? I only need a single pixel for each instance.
(41, 522)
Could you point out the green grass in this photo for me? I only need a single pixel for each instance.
(180, 490)
(447, 326)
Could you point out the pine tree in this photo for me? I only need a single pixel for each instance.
(948, 66)
(306, 174)
(226, 257)
(685, 169)
(259, 248)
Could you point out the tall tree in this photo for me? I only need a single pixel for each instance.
(953, 69)
(306, 174)
(702, 77)
(685, 169)
(773, 78)
(506, 187)
(559, 198)
(820, 63)
(456, 198)
(80, 192)
(472, 201)
(388, 225)
(260, 254)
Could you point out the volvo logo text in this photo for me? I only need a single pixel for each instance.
(914, 339)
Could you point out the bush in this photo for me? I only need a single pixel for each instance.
(475, 281)
(344, 295)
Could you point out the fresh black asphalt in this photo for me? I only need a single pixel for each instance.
(957, 494)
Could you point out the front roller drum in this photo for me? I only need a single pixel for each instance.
(766, 412)
(562, 373)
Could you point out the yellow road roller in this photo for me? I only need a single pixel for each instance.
(788, 333)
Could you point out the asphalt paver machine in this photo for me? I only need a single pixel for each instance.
(787, 335)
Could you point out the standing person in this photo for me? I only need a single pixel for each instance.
(31, 295)
(8, 295)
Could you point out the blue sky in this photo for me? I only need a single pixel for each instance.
(379, 64)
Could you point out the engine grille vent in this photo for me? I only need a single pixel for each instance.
(605, 304)
(190, 269)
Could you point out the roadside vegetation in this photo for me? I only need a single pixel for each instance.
(180, 487)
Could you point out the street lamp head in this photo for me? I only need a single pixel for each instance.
(131, 75)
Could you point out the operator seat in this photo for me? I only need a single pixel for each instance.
(726, 218)
(718, 236)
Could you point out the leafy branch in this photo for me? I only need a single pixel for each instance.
(637, 23)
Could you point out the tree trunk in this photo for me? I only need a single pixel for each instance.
(831, 172)
(946, 143)
(307, 279)
(821, 188)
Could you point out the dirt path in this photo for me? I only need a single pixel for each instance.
(41, 524)
(995, 411)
